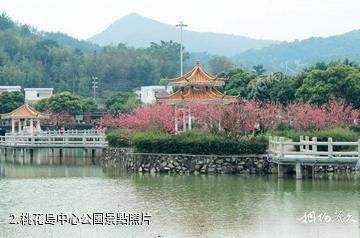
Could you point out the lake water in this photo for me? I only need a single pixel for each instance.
(180, 206)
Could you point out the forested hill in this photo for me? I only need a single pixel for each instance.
(138, 31)
(66, 40)
(29, 60)
(294, 56)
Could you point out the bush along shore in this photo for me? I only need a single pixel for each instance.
(193, 152)
(199, 152)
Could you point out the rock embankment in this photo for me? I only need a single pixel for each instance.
(185, 164)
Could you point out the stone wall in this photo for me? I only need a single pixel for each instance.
(185, 164)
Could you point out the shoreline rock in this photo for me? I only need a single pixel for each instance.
(185, 164)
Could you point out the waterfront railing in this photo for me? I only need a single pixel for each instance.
(306, 150)
(53, 139)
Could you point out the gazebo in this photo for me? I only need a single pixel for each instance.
(196, 86)
(25, 116)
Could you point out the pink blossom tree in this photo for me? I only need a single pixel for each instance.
(236, 119)
(59, 118)
(145, 117)
(309, 116)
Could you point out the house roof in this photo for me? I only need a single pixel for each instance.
(10, 87)
(197, 77)
(191, 94)
(38, 89)
(24, 112)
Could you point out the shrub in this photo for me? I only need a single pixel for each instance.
(197, 142)
(355, 129)
(119, 138)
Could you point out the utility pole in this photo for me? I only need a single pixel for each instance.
(181, 25)
(94, 85)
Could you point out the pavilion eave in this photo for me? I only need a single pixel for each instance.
(200, 101)
(199, 83)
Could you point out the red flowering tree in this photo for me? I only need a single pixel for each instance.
(236, 119)
(57, 119)
(240, 117)
(309, 116)
(111, 120)
(306, 116)
(207, 115)
(270, 115)
(145, 117)
(341, 114)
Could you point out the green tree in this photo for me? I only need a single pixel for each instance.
(283, 90)
(62, 102)
(166, 56)
(67, 102)
(218, 64)
(339, 81)
(42, 105)
(88, 105)
(163, 81)
(237, 82)
(5, 22)
(259, 88)
(259, 69)
(122, 102)
(9, 101)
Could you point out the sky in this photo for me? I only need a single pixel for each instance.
(284, 20)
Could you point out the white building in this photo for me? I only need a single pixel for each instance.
(33, 95)
(148, 93)
(10, 89)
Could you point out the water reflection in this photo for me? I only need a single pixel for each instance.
(251, 204)
(181, 206)
(50, 156)
(34, 171)
(74, 163)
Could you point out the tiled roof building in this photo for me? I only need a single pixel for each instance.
(196, 86)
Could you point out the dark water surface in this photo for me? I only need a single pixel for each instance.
(181, 206)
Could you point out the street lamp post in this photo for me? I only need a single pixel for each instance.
(181, 25)
(95, 85)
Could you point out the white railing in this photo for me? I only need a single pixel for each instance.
(59, 132)
(50, 139)
(282, 149)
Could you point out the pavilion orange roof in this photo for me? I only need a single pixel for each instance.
(191, 94)
(24, 112)
(197, 77)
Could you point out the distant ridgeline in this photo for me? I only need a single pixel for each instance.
(293, 57)
(137, 31)
(30, 58)
(38, 59)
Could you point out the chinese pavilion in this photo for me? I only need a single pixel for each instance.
(196, 86)
(25, 116)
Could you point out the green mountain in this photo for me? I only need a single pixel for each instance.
(68, 41)
(292, 57)
(32, 59)
(138, 31)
